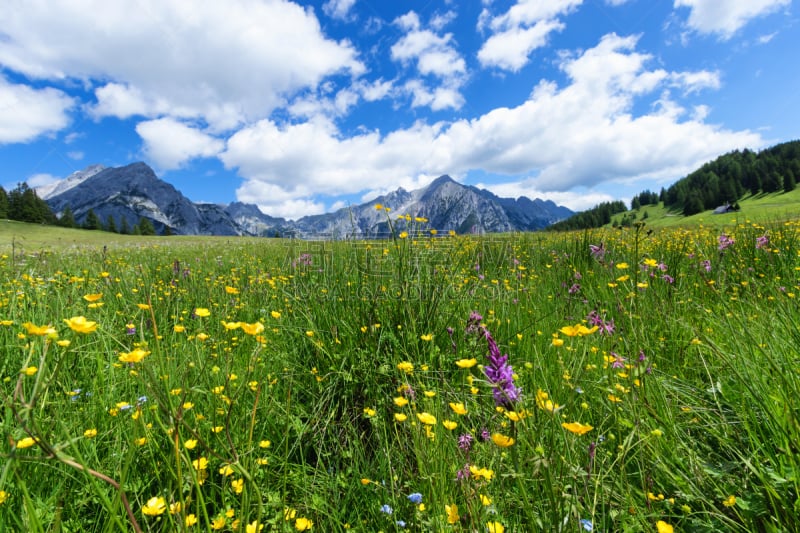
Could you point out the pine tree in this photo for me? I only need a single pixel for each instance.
(123, 227)
(146, 227)
(91, 221)
(3, 203)
(67, 219)
(111, 226)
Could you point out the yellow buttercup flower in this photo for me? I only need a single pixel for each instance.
(155, 506)
(303, 524)
(502, 440)
(252, 329)
(576, 427)
(80, 324)
(466, 363)
(202, 312)
(427, 419)
(458, 408)
(406, 367)
(93, 297)
(33, 329)
(452, 513)
(25, 442)
(135, 356)
(90, 433)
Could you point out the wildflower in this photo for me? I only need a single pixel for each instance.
(29, 371)
(730, 501)
(3, 497)
(202, 312)
(190, 520)
(406, 367)
(33, 329)
(479, 473)
(368, 412)
(427, 338)
(452, 514)
(135, 356)
(465, 441)
(303, 524)
(466, 363)
(231, 290)
(264, 444)
(143, 307)
(587, 524)
(400, 417)
(415, 497)
(130, 328)
(725, 241)
(458, 408)
(502, 440)
(93, 297)
(289, 513)
(427, 419)
(399, 401)
(403, 234)
(449, 424)
(252, 329)
(231, 325)
(218, 523)
(386, 509)
(544, 403)
(80, 324)
(598, 252)
(190, 444)
(177, 328)
(155, 506)
(495, 527)
(275, 314)
(90, 433)
(25, 442)
(237, 485)
(379, 207)
(175, 508)
(200, 464)
(253, 527)
(500, 374)
(762, 242)
(577, 428)
(663, 527)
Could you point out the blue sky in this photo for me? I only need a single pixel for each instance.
(304, 107)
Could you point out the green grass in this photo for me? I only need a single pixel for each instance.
(245, 382)
(760, 209)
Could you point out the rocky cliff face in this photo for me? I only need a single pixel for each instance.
(134, 191)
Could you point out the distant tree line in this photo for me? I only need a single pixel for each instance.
(24, 205)
(722, 181)
(598, 216)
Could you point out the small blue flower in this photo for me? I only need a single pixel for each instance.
(400, 524)
(587, 524)
(415, 497)
(386, 509)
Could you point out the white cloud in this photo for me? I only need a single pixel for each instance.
(521, 30)
(442, 70)
(726, 17)
(221, 62)
(169, 143)
(37, 180)
(338, 9)
(564, 139)
(510, 49)
(76, 155)
(434, 54)
(27, 113)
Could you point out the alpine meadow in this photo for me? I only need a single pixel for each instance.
(614, 379)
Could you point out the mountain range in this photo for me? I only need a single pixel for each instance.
(127, 194)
